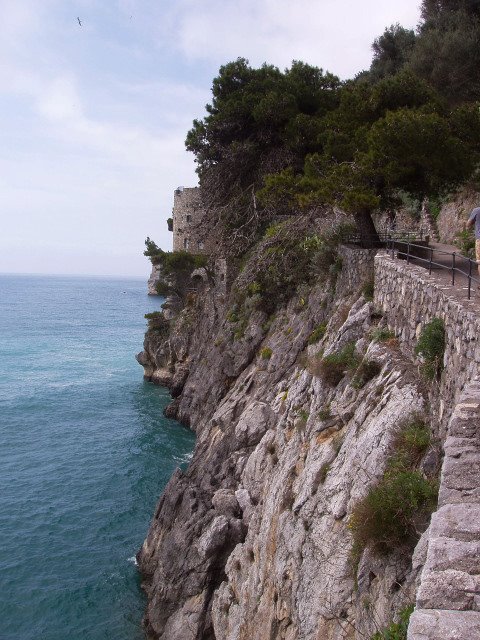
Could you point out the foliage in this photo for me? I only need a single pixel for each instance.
(391, 513)
(391, 50)
(317, 334)
(285, 263)
(431, 346)
(368, 290)
(333, 367)
(382, 335)
(325, 413)
(465, 241)
(285, 142)
(163, 288)
(266, 353)
(158, 323)
(170, 224)
(324, 469)
(446, 52)
(396, 630)
(412, 441)
(182, 261)
(152, 251)
(367, 370)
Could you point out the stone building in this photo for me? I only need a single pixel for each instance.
(188, 212)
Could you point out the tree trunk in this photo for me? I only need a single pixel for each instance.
(366, 228)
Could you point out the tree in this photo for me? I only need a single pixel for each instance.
(260, 121)
(447, 55)
(391, 51)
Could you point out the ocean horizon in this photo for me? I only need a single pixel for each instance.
(85, 453)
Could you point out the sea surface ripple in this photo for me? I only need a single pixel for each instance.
(84, 454)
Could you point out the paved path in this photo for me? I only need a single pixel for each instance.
(444, 277)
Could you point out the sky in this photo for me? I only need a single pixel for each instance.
(93, 116)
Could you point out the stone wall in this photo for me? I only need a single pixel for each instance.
(357, 268)
(448, 599)
(409, 299)
(188, 212)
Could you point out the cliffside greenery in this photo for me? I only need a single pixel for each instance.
(431, 347)
(397, 508)
(396, 630)
(295, 140)
(176, 268)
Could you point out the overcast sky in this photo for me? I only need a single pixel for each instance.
(94, 117)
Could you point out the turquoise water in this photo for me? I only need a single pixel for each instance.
(84, 455)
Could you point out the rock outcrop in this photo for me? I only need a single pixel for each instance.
(252, 541)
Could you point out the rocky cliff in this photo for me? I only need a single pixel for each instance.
(254, 540)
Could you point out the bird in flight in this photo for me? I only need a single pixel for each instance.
(79, 21)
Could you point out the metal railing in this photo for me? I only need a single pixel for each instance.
(382, 238)
(411, 250)
(409, 244)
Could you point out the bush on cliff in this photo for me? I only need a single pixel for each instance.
(431, 347)
(333, 367)
(396, 630)
(158, 323)
(398, 507)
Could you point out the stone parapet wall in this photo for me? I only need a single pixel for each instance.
(357, 268)
(409, 299)
(448, 598)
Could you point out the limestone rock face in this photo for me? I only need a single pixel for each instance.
(252, 542)
(155, 276)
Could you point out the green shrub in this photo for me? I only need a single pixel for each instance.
(324, 469)
(431, 346)
(386, 518)
(266, 353)
(412, 442)
(325, 413)
(182, 261)
(366, 371)
(333, 367)
(170, 224)
(396, 630)
(368, 290)
(391, 513)
(382, 335)
(303, 415)
(162, 288)
(157, 322)
(317, 334)
(465, 242)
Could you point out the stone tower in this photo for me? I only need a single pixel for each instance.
(188, 211)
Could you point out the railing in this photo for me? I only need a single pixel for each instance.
(382, 238)
(407, 244)
(453, 267)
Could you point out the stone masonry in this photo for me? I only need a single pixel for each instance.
(409, 298)
(188, 212)
(448, 597)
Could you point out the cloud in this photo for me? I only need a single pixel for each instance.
(333, 34)
(94, 118)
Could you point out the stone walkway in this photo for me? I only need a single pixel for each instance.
(444, 278)
(448, 599)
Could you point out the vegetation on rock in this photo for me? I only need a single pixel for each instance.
(431, 347)
(398, 507)
(396, 630)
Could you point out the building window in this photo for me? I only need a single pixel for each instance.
(185, 243)
(189, 217)
(201, 245)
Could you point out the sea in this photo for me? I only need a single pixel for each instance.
(85, 453)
